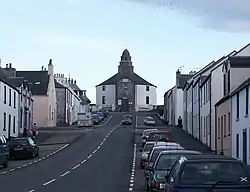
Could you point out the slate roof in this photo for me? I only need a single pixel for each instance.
(5, 77)
(59, 85)
(39, 81)
(134, 77)
(183, 79)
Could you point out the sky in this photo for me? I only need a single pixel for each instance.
(85, 38)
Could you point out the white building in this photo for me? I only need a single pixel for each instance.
(173, 99)
(240, 122)
(126, 90)
(75, 100)
(9, 102)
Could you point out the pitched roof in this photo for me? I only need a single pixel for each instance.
(133, 77)
(59, 85)
(39, 81)
(5, 77)
(183, 79)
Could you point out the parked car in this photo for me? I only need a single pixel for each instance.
(153, 154)
(126, 120)
(208, 173)
(23, 147)
(4, 152)
(101, 115)
(145, 135)
(96, 119)
(150, 121)
(160, 136)
(105, 114)
(155, 179)
(147, 148)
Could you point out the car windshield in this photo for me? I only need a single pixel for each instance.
(159, 137)
(146, 133)
(148, 147)
(155, 154)
(19, 142)
(214, 173)
(166, 161)
(150, 119)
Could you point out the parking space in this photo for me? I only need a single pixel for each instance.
(180, 137)
(43, 152)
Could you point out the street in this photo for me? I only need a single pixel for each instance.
(101, 160)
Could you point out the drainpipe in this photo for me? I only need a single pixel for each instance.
(192, 132)
(215, 132)
(199, 111)
(210, 113)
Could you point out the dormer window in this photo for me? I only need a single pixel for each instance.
(103, 88)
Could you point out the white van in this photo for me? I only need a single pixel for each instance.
(85, 120)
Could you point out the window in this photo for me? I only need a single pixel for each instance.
(147, 88)
(218, 129)
(9, 122)
(229, 123)
(4, 121)
(9, 97)
(247, 98)
(237, 107)
(52, 116)
(103, 100)
(14, 124)
(103, 88)
(147, 100)
(14, 99)
(237, 145)
(225, 125)
(4, 92)
(224, 84)
(221, 126)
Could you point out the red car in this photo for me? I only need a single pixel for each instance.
(160, 136)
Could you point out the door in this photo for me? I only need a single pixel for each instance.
(244, 146)
(125, 106)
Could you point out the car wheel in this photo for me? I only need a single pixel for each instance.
(5, 165)
(37, 153)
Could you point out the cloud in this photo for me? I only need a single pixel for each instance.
(63, 40)
(225, 15)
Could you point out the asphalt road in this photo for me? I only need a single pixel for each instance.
(99, 161)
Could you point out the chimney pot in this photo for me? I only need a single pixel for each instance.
(42, 68)
(7, 66)
(10, 65)
(72, 81)
(75, 82)
(50, 61)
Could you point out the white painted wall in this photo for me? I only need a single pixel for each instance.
(109, 93)
(9, 110)
(189, 110)
(141, 94)
(196, 111)
(242, 123)
(178, 105)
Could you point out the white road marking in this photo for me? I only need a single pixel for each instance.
(12, 170)
(99, 147)
(66, 173)
(89, 156)
(3, 172)
(76, 166)
(50, 181)
(131, 183)
(32, 190)
(95, 151)
(84, 161)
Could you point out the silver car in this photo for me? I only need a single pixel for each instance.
(150, 121)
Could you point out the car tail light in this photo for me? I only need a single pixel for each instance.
(159, 185)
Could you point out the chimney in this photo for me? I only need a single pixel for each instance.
(42, 68)
(75, 82)
(7, 66)
(50, 68)
(10, 65)
(178, 74)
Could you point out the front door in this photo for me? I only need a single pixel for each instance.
(125, 106)
(244, 146)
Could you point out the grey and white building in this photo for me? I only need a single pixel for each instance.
(126, 91)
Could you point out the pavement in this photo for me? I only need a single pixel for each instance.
(104, 159)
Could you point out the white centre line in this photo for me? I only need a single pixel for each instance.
(131, 183)
(32, 190)
(66, 173)
(76, 166)
(136, 121)
(51, 181)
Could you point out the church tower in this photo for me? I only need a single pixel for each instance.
(126, 67)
